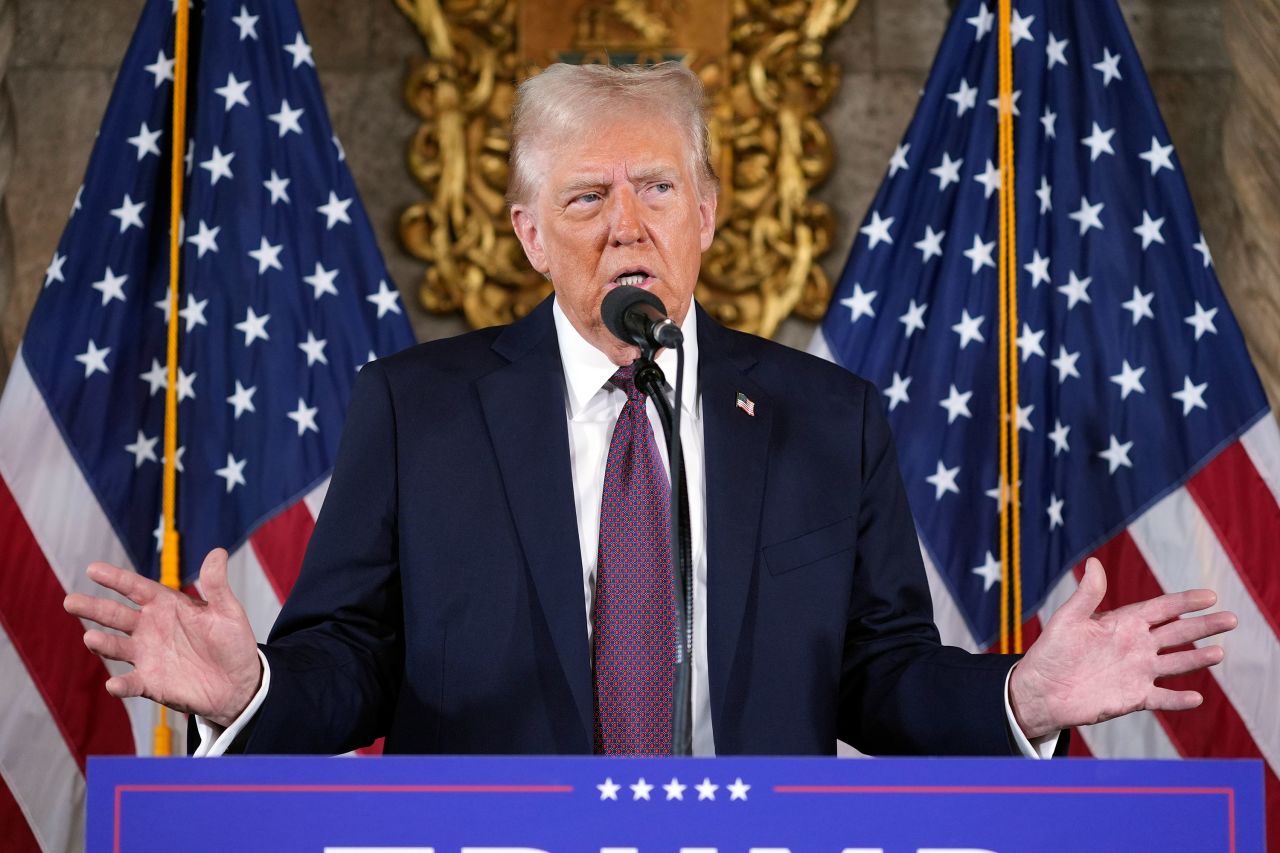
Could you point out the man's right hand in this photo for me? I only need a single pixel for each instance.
(198, 657)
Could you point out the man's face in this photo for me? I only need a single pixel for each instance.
(617, 202)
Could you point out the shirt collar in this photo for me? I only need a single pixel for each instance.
(587, 369)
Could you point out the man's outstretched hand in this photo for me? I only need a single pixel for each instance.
(1088, 667)
(194, 656)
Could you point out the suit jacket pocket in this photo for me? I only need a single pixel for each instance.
(810, 547)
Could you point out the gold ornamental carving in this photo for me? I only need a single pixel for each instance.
(763, 67)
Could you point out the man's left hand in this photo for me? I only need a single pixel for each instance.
(1088, 667)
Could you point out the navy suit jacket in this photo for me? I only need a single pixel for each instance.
(441, 601)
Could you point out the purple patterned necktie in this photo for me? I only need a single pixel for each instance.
(633, 614)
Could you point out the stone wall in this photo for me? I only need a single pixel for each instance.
(66, 52)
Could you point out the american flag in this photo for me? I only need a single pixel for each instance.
(284, 297)
(1146, 438)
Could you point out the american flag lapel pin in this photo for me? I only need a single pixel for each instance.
(744, 402)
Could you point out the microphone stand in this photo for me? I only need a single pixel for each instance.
(649, 379)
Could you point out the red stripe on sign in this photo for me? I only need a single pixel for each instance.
(1243, 513)
(1214, 730)
(49, 641)
(280, 544)
(14, 829)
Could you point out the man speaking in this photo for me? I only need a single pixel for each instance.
(491, 572)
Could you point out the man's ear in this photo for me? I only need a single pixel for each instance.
(707, 219)
(526, 229)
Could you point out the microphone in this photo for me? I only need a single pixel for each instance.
(638, 317)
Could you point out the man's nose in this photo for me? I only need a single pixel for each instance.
(627, 219)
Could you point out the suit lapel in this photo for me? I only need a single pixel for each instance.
(524, 410)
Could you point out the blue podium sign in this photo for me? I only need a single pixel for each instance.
(666, 805)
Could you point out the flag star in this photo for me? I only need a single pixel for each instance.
(242, 400)
(314, 348)
(1056, 51)
(300, 51)
(232, 472)
(233, 92)
(706, 790)
(1191, 396)
(969, 329)
(1020, 28)
(205, 239)
(1023, 418)
(278, 187)
(157, 377)
(675, 790)
(304, 416)
(877, 230)
(1000, 494)
(990, 179)
(1066, 364)
(914, 318)
(1088, 215)
(194, 312)
(218, 165)
(1059, 437)
(1149, 230)
(930, 245)
(1029, 343)
(738, 790)
(342, 152)
(994, 103)
(1050, 121)
(990, 572)
(640, 789)
(948, 171)
(898, 163)
(188, 159)
(1140, 305)
(1045, 194)
(335, 210)
(1203, 248)
(1076, 290)
(966, 98)
(129, 213)
(1158, 156)
(1117, 455)
(982, 22)
(371, 357)
(53, 272)
(145, 141)
(1109, 66)
(158, 533)
(322, 280)
(1129, 379)
(111, 286)
(161, 69)
(254, 327)
(1202, 320)
(1098, 142)
(387, 299)
(956, 404)
(287, 118)
(859, 304)
(164, 304)
(143, 449)
(608, 789)
(186, 385)
(94, 359)
(897, 391)
(177, 459)
(1056, 505)
(980, 254)
(75, 205)
(247, 23)
(1039, 269)
(267, 256)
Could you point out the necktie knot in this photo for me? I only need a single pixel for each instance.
(624, 379)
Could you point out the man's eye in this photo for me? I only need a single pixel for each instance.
(664, 187)
(588, 198)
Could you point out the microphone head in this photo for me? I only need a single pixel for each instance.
(620, 300)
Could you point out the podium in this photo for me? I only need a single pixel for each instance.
(672, 805)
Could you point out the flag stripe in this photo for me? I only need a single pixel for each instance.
(280, 544)
(315, 498)
(951, 623)
(1262, 441)
(254, 591)
(14, 828)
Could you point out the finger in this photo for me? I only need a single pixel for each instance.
(108, 613)
(125, 686)
(1178, 663)
(110, 646)
(1182, 631)
(1163, 699)
(131, 585)
(1174, 604)
(213, 579)
(1089, 594)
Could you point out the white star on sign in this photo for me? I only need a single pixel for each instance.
(930, 245)
(335, 210)
(877, 230)
(1191, 396)
(53, 272)
(1056, 51)
(1029, 343)
(943, 480)
(994, 103)
(1087, 215)
(956, 404)
(1202, 320)
(278, 187)
(1045, 194)
(1039, 269)
(300, 51)
(990, 179)
(608, 789)
(859, 304)
(233, 92)
(254, 327)
(948, 171)
(143, 449)
(305, 417)
(1109, 66)
(145, 141)
(314, 348)
(94, 359)
(1059, 437)
(205, 239)
(1129, 379)
(1076, 290)
(897, 391)
(247, 23)
(129, 213)
(232, 472)
(1158, 156)
(287, 118)
(706, 790)
(1140, 305)
(322, 280)
(969, 329)
(914, 318)
(111, 286)
(1203, 248)
(387, 299)
(1066, 364)
(157, 377)
(981, 22)
(738, 790)
(218, 165)
(186, 385)
(1117, 455)
(1149, 230)
(1020, 28)
(980, 254)
(242, 400)
(990, 572)
(675, 791)
(1098, 142)
(898, 163)
(640, 790)
(1056, 505)
(161, 69)
(1050, 121)
(966, 98)
(267, 256)
(194, 312)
